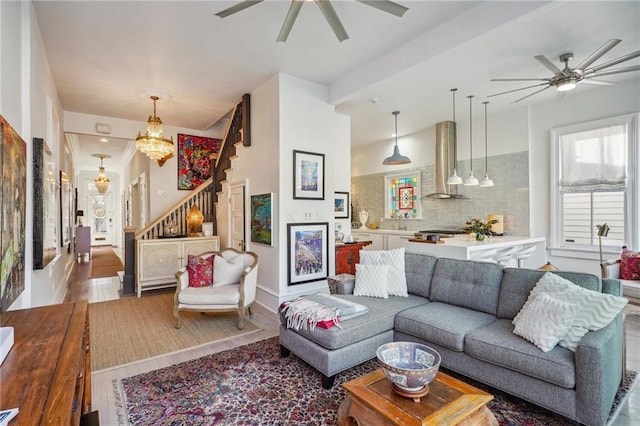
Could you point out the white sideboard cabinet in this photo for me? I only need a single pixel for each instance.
(158, 260)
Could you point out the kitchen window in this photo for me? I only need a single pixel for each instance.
(402, 196)
(594, 181)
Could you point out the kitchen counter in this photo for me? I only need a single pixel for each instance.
(494, 249)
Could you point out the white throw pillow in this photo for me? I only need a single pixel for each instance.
(227, 271)
(595, 309)
(371, 280)
(544, 320)
(397, 280)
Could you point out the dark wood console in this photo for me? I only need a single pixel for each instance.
(47, 373)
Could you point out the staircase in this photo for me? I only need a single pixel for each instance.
(205, 196)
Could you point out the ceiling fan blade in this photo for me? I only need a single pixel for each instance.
(238, 7)
(289, 20)
(616, 71)
(332, 18)
(613, 62)
(517, 90)
(386, 6)
(520, 79)
(548, 64)
(531, 94)
(597, 82)
(598, 53)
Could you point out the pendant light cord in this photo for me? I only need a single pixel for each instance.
(470, 135)
(455, 145)
(486, 150)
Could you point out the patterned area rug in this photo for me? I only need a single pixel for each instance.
(254, 385)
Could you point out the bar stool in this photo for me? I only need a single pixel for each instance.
(523, 253)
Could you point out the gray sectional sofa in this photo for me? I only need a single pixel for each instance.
(464, 310)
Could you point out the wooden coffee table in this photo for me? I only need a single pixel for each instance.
(371, 401)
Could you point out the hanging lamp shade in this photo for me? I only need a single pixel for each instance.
(101, 181)
(471, 180)
(454, 179)
(153, 143)
(396, 158)
(486, 181)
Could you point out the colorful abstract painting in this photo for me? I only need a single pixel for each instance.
(261, 218)
(307, 248)
(194, 159)
(13, 168)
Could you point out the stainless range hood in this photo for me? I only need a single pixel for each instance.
(445, 153)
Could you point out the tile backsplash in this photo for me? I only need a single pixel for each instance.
(509, 196)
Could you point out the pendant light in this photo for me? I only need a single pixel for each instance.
(396, 158)
(101, 181)
(485, 181)
(153, 143)
(454, 179)
(471, 180)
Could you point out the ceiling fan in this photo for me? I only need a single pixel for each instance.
(325, 7)
(567, 78)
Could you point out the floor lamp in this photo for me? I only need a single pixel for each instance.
(603, 231)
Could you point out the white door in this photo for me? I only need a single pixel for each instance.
(100, 217)
(236, 223)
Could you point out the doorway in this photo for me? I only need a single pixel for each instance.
(100, 216)
(237, 215)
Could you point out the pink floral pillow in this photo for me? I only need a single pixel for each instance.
(200, 270)
(629, 265)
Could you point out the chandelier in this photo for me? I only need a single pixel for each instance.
(153, 142)
(101, 181)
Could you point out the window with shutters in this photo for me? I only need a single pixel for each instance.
(594, 180)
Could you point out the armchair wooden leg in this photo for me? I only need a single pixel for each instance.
(241, 318)
(176, 314)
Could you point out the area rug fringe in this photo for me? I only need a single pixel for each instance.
(630, 380)
(118, 397)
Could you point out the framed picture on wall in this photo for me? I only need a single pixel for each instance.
(45, 227)
(307, 248)
(194, 159)
(262, 218)
(341, 205)
(65, 209)
(308, 175)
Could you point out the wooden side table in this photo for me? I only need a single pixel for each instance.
(371, 401)
(347, 255)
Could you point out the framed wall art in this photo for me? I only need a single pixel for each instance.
(45, 225)
(194, 159)
(13, 203)
(307, 249)
(341, 205)
(262, 219)
(308, 176)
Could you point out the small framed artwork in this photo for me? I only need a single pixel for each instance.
(341, 205)
(261, 218)
(308, 175)
(65, 209)
(307, 249)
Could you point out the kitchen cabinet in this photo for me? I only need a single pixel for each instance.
(382, 241)
(159, 259)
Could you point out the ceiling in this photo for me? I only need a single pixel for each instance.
(102, 54)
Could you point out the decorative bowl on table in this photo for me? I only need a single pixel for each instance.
(410, 367)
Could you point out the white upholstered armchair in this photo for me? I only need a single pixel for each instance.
(235, 278)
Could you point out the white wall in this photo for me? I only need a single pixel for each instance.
(28, 100)
(289, 114)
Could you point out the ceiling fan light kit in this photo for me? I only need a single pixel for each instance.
(153, 143)
(568, 78)
(396, 158)
(325, 7)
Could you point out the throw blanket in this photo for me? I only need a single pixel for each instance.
(320, 310)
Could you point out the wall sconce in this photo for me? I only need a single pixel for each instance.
(194, 221)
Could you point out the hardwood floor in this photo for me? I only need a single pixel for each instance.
(103, 381)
